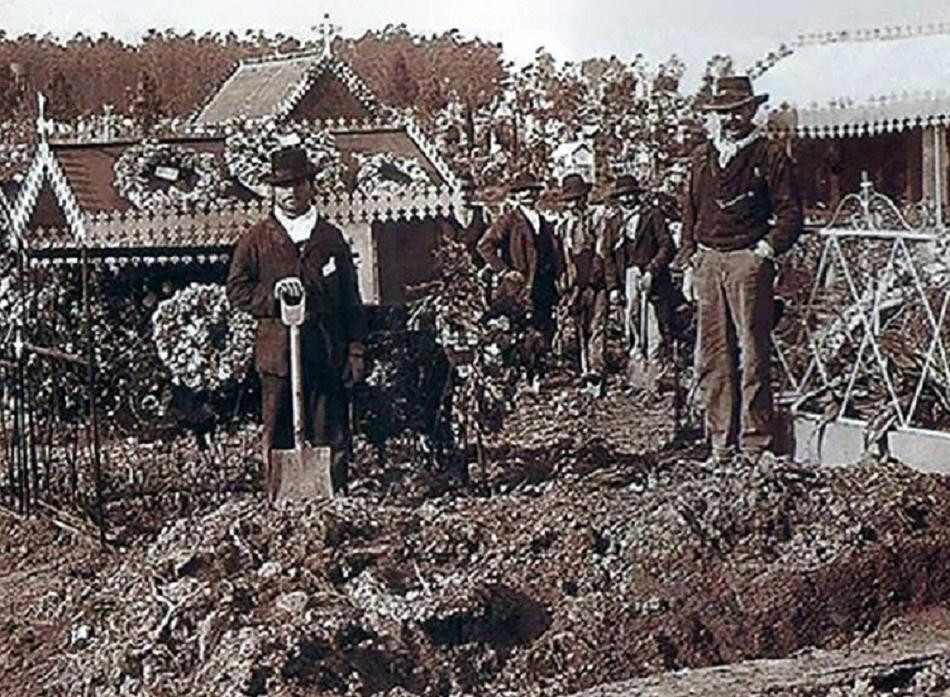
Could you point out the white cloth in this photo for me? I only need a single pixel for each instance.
(634, 326)
(533, 217)
(630, 223)
(729, 148)
(299, 228)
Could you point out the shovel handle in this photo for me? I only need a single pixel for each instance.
(296, 386)
(644, 326)
(292, 315)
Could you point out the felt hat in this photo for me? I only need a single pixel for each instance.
(289, 164)
(731, 93)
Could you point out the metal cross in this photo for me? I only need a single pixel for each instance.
(326, 33)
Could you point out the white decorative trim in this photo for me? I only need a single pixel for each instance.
(320, 65)
(6, 222)
(873, 34)
(27, 195)
(870, 127)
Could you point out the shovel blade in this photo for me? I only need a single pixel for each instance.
(302, 474)
(641, 374)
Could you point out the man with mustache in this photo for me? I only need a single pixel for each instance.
(520, 247)
(295, 252)
(741, 211)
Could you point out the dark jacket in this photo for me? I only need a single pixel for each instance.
(651, 249)
(335, 316)
(755, 197)
(584, 255)
(510, 244)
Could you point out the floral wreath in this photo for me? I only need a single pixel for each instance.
(201, 339)
(150, 162)
(249, 144)
(385, 174)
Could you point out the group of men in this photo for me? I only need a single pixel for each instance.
(575, 268)
(742, 209)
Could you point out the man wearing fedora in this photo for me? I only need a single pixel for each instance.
(521, 249)
(741, 211)
(641, 249)
(584, 281)
(290, 253)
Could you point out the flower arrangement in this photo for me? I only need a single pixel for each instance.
(155, 176)
(385, 174)
(203, 342)
(249, 145)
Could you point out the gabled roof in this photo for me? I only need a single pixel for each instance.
(273, 86)
(859, 82)
(89, 169)
(69, 194)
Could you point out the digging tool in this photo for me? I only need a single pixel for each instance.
(304, 471)
(639, 368)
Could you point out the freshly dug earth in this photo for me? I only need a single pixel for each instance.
(599, 557)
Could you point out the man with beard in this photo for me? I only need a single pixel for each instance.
(293, 253)
(641, 250)
(742, 209)
(520, 248)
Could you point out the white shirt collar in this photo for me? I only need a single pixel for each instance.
(533, 217)
(299, 228)
(728, 148)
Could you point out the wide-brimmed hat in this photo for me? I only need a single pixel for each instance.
(525, 181)
(573, 186)
(290, 164)
(731, 93)
(625, 184)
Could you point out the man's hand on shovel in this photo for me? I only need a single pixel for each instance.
(289, 287)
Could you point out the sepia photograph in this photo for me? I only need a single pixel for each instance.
(474, 349)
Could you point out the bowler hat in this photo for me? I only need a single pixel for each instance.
(573, 186)
(524, 181)
(732, 92)
(625, 184)
(290, 164)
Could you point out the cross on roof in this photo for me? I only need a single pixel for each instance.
(43, 125)
(326, 33)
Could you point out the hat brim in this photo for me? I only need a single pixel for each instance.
(575, 194)
(288, 176)
(617, 193)
(530, 186)
(732, 105)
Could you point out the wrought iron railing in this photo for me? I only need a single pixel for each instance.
(869, 337)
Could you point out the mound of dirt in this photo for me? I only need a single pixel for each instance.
(596, 560)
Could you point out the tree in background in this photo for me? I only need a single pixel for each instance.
(61, 102)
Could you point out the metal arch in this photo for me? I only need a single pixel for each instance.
(871, 216)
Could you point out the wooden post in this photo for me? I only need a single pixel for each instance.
(934, 169)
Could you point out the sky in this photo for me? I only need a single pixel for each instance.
(570, 29)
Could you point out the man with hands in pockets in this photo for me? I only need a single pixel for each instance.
(742, 209)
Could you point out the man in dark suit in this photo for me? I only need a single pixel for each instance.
(290, 253)
(520, 248)
(641, 249)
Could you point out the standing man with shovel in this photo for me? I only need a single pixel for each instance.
(638, 271)
(298, 260)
